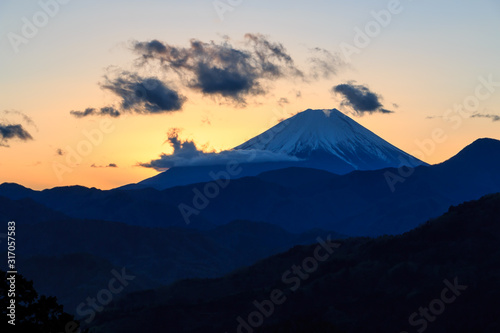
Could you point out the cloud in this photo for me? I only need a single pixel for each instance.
(187, 154)
(233, 71)
(139, 95)
(110, 165)
(9, 132)
(360, 99)
(222, 69)
(15, 130)
(282, 101)
(493, 117)
(143, 95)
(324, 64)
(25, 118)
(104, 111)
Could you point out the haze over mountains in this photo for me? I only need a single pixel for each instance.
(321, 139)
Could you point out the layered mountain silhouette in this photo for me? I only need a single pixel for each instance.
(337, 179)
(440, 277)
(385, 201)
(321, 139)
(83, 252)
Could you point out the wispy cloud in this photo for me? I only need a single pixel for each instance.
(324, 64)
(110, 165)
(104, 111)
(493, 117)
(25, 119)
(283, 101)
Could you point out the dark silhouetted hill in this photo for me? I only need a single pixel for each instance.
(365, 285)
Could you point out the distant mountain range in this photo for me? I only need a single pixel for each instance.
(321, 139)
(83, 252)
(440, 277)
(296, 199)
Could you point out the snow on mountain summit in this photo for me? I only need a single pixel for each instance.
(330, 135)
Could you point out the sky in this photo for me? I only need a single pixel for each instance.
(92, 91)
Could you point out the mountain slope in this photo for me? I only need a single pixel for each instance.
(27, 211)
(365, 285)
(321, 139)
(75, 248)
(186, 175)
(331, 136)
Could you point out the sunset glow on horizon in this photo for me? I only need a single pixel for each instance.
(435, 66)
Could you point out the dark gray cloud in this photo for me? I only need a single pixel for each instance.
(359, 98)
(234, 71)
(143, 95)
(139, 95)
(13, 132)
(222, 69)
(187, 154)
(324, 64)
(493, 117)
(104, 111)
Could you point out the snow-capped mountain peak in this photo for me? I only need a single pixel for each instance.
(319, 139)
(330, 133)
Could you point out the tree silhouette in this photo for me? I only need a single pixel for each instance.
(34, 313)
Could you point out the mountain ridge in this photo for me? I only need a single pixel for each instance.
(353, 290)
(297, 199)
(321, 139)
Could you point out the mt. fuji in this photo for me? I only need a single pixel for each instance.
(320, 139)
(330, 140)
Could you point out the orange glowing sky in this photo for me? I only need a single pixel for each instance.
(426, 60)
